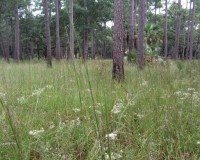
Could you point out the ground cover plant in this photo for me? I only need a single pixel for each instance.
(76, 111)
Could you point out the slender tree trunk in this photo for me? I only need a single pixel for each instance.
(141, 23)
(118, 34)
(166, 28)
(131, 25)
(7, 41)
(192, 29)
(71, 13)
(85, 45)
(93, 45)
(178, 28)
(58, 55)
(188, 32)
(31, 49)
(17, 35)
(2, 46)
(48, 34)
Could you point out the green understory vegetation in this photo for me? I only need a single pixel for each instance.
(76, 111)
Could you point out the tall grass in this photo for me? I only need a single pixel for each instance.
(73, 111)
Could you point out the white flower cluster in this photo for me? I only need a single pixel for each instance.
(36, 133)
(190, 93)
(114, 155)
(3, 94)
(36, 92)
(21, 100)
(112, 136)
(117, 108)
(76, 110)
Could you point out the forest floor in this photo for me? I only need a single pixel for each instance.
(77, 112)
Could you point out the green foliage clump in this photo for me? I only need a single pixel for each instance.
(132, 57)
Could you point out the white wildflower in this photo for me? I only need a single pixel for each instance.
(186, 94)
(195, 97)
(98, 112)
(51, 125)
(62, 125)
(36, 133)
(178, 93)
(144, 83)
(198, 142)
(37, 92)
(76, 110)
(191, 89)
(7, 143)
(75, 122)
(140, 116)
(112, 136)
(3, 94)
(21, 100)
(114, 155)
(49, 86)
(117, 108)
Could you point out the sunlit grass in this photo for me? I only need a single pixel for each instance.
(155, 111)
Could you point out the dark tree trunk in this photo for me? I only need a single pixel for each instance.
(166, 28)
(188, 32)
(7, 41)
(118, 37)
(93, 48)
(141, 23)
(48, 34)
(58, 55)
(192, 30)
(85, 45)
(131, 25)
(17, 35)
(71, 39)
(178, 28)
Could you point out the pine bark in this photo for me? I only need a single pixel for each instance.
(7, 41)
(71, 39)
(166, 29)
(131, 25)
(188, 33)
(17, 35)
(192, 30)
(58, 55)
(178, 28)
(48, 34)
(118, 34)
(141, 23)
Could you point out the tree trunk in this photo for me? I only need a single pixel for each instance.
(118, 34)
(48, 34)
(166, 28)
(71, 39)
(85, 45)
(178, 28)
(17, 34)
(192, 30)
(93, 46)
(7, 41)
(141, 23)
(131, 25)
(188, 33)
(58, 55)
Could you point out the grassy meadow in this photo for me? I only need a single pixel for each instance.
(77, 112)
